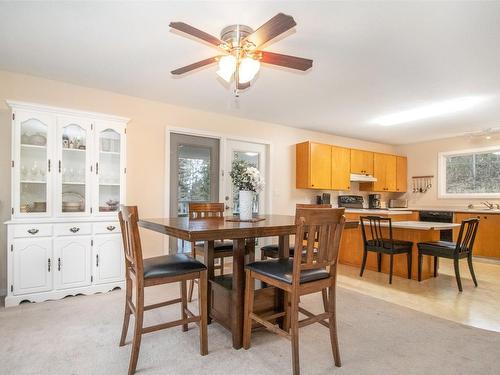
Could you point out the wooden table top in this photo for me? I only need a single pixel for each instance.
(217, 228)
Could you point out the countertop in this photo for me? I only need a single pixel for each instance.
(381, 212)
(420, 225)
(457, 209)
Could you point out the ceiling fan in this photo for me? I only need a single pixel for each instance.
(240, 45)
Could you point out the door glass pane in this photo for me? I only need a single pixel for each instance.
(33, 166)
(194, 176)
(109, 170)
(73, 168)
(252, 159)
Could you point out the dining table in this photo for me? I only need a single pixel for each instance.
(226, 292)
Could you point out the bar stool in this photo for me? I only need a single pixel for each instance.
(141, 273)
(452, 250)
(376, 242)
(304, 274)
(222, 248)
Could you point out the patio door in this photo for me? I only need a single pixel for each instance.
(255, 154)
(194, 176)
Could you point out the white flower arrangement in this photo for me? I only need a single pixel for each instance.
(246, 177)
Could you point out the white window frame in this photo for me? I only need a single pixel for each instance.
(442, 194)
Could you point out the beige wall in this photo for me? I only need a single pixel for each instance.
(423, 160)
(146, 144)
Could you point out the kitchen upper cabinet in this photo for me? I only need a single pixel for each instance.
(32, 265)
(72, 261)
(385, 171)
(341, 168)
(487, 237)
(362, 162)
(313, 166)
(388, 164)
(401, 174)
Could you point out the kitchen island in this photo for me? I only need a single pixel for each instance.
(404, 227)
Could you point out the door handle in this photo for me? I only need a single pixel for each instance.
(48, 264)
(97, 260)
(58, 264)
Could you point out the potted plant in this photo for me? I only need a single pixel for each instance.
(248, 181)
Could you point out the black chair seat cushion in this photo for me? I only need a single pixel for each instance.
(218, 245)
(442, 249)
(272, 251)
(171, 265)
(385, 246)
(282, 269)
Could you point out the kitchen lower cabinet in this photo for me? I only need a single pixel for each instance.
(487, 242)
(32, 265)
(109, 263)
(72, 262)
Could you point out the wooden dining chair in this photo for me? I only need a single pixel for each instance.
(141, 273)
(303, 274)
(272, 250)
(452, 250)
(375, 241)
(222, 248)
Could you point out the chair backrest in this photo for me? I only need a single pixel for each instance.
(312, 205)
(129, 217)
(323, 229)
(467, 235)
(374, 231)
(205, 210)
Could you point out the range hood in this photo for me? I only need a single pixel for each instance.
(362, 178)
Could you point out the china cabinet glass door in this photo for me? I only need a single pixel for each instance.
(74, 143)
(109, 168)
(33, 164)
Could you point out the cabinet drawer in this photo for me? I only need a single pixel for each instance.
(107, 227)
(72, 229)
(32, 230)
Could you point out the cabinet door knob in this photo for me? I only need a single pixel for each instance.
(58, 264)
(33, 231)
(111, 228)
(97, 260)
(48, 264)
(74, 229)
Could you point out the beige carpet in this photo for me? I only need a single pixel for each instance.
(79, 335)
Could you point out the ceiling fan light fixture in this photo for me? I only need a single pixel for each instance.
(227, 67)
(249, 67)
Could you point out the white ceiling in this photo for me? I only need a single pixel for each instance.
(370, 59)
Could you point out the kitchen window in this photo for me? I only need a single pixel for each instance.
(470, 173)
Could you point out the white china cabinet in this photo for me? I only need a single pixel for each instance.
(68, 180)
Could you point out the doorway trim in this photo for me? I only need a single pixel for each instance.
(222, 173)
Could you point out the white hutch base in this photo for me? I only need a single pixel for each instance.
(12, 300)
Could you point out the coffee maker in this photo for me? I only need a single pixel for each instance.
(374, 201)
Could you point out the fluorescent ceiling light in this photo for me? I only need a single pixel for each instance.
(431, 110)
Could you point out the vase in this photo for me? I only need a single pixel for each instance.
(246, 203)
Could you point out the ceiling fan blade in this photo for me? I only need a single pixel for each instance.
(188, 29)
(287, 61)
(271, 29)
(195, 65)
